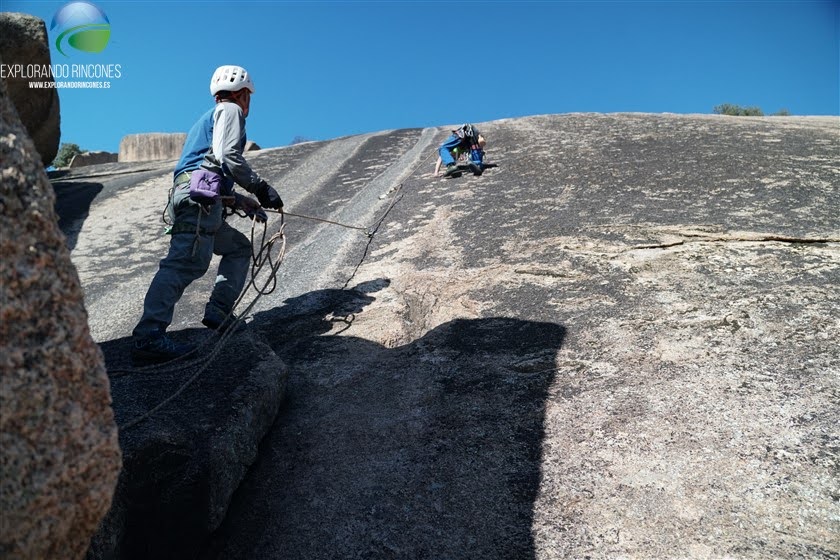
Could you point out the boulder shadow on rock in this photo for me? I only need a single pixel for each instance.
(183, 461)
(428, 450)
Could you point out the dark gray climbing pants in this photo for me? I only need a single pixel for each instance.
(201, 233)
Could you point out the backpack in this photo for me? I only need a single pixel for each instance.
(467, 132)
(469, 135)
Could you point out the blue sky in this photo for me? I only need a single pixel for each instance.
(329, 69)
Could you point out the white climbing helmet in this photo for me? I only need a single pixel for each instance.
(230, 78)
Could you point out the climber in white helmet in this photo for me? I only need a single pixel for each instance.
(211, 165)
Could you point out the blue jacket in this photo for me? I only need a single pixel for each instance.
(222, 130)
(199, 141)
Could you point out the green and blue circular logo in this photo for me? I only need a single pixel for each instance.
(83, 26)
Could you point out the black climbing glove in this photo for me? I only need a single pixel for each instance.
(268, 197)
(250, 206)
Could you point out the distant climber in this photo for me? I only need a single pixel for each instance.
(211, 162)
(464, 140)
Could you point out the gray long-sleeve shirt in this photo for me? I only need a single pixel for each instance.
(228, 146)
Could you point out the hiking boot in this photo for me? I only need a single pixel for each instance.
(452, 171)
(157, 349)
(221, 322)
(475, 168)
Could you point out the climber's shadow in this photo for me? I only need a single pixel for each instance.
(431, 449)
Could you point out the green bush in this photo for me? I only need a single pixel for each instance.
(738, 111)
(65, 154)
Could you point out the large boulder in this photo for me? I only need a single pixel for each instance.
(153, 146)
(60, 456)
(23, 41)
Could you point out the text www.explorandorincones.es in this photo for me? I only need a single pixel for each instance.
(71, 85)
